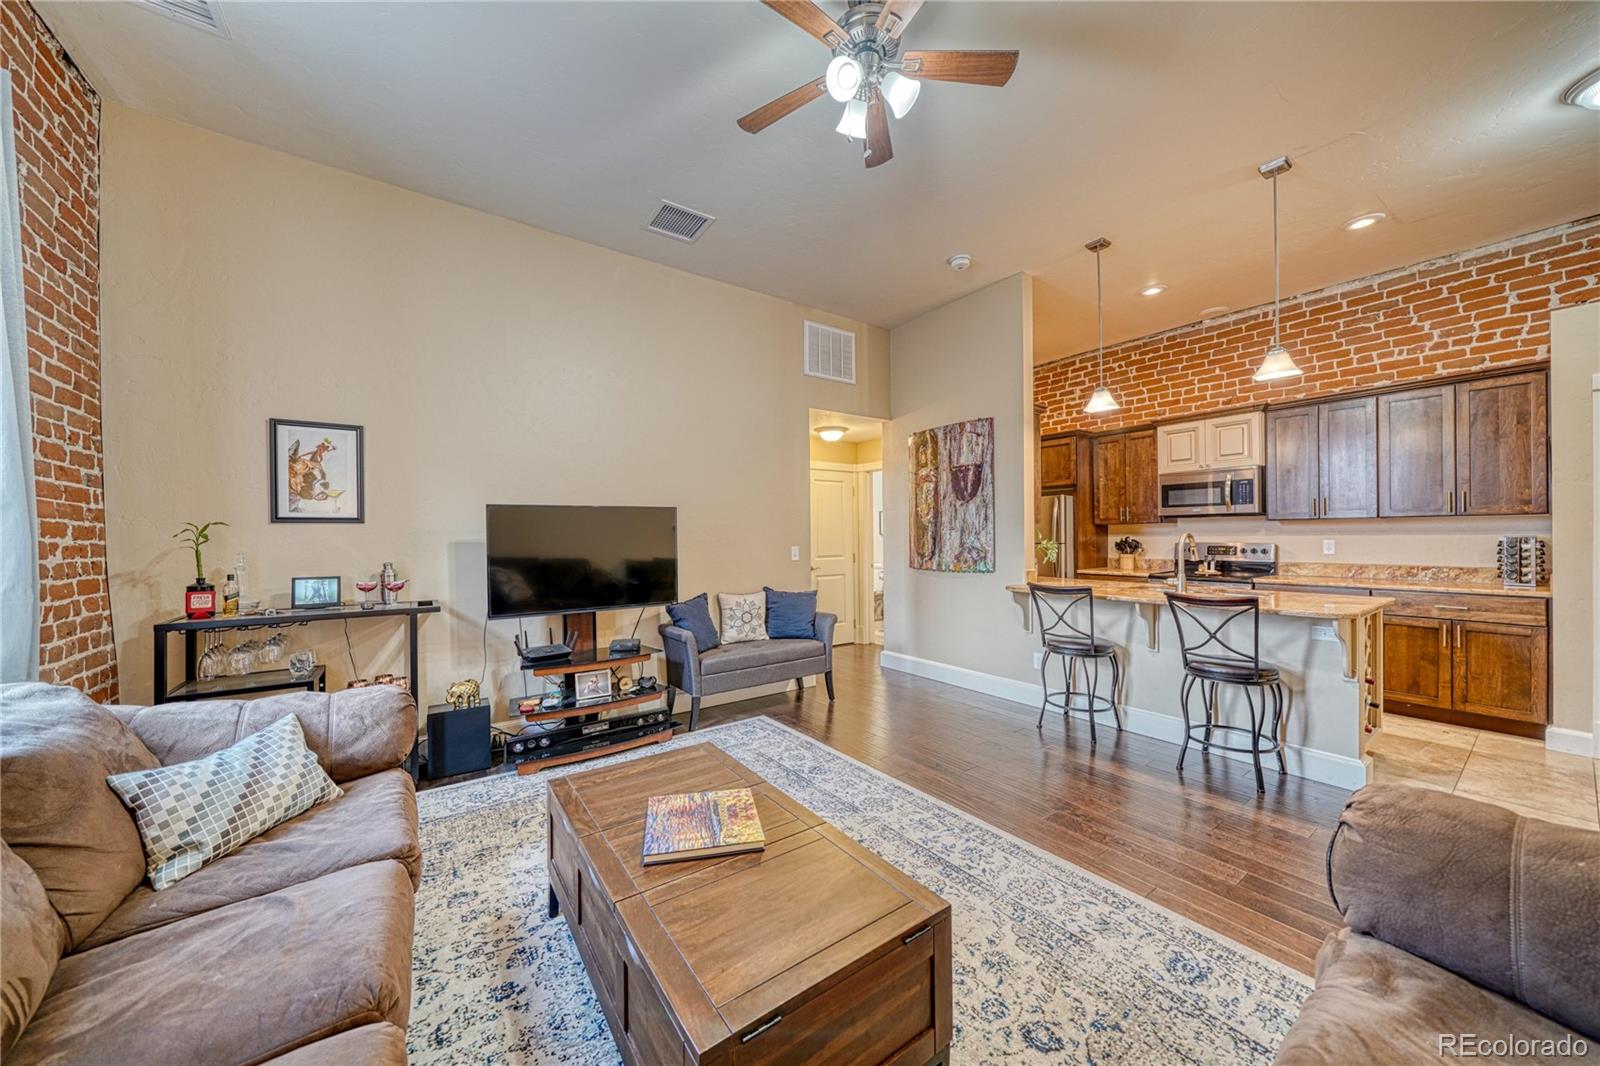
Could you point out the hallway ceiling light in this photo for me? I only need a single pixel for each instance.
(1586, 93)
(1153, 290)
(831, 433)
(1101, 401)
(1364, 221)
(1277, 363)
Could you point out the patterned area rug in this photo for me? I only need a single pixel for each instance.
(1052, 964)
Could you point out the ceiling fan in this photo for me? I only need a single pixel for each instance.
(869, 74)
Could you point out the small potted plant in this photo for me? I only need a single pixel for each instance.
(1128, 549)
(200, 598)
(1049, 551)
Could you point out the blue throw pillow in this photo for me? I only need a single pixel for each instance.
(791, 614)
(695, 616)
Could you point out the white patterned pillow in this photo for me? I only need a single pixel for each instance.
(193, 812)
(744, 616)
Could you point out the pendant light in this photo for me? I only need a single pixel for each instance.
(1277, 363)
(1101, 401)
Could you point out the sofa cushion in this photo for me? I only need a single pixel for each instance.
(241, 983)
(1376, 1003)
(695, 616)
(57, 747)
(380, 1044)
(755, 654)
(376, 818)
(791, 614)
(194, 812)
(353, 732)
(32, 938)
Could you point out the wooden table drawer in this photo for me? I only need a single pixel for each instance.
(1510, 610)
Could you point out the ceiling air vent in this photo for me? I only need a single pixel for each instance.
(830, 353)
(201, 14)
(679, 222)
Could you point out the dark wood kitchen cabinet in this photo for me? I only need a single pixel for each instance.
(1502, 445)
(1478, 447)
(1322, 460)
(1058, 461)
(1501, 670)
(1416, 661)
(1417, 439)
(1125, 488)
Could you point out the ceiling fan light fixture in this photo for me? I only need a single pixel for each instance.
(853, 123)
(899, 92)
(831, 433)
(843, 78)
(1100, 402)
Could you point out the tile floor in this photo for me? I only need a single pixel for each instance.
(1510, 771)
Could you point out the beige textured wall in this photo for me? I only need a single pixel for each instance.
(971, 358)
(488, 361)
(1574, 360)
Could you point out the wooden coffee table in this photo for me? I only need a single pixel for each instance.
(812, 951)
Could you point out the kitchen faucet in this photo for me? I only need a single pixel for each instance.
(1180, 552)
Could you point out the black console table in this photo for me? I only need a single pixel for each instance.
(193, 688)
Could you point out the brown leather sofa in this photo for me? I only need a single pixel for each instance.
(294, 949)
(1471, 932)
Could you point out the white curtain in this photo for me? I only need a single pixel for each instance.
(19, 541)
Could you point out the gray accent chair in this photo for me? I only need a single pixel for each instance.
(730, 667)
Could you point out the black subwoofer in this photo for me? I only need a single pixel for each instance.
(458, 740)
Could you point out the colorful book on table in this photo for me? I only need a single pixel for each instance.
(699, 825)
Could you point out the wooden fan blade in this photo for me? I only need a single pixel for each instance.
(879, 150)
(811, 18)
(788, 103)
(969, 67)
(900, 12)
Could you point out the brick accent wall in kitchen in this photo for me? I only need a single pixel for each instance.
(1478, 309)
(56, 125)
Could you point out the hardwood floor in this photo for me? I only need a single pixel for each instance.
(1207, 846)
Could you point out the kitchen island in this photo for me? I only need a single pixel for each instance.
(1327, 647)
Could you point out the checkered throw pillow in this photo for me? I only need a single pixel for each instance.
(193, 812)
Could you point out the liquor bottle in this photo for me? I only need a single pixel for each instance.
(230, 597)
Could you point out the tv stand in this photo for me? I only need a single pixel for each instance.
(580, 627)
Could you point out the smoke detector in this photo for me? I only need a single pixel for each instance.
(959, 261)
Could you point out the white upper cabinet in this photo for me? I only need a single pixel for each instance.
(1220, 443)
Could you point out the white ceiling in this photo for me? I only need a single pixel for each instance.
(1142, 122)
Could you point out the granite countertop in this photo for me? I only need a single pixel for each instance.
(1357, 583)
(1287, 604)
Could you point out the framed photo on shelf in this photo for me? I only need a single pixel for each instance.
(317, 471)
(593, 687)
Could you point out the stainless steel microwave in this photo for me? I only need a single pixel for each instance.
(1212, 492)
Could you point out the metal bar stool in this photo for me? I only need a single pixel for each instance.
(1210, 660)
(1076, 646)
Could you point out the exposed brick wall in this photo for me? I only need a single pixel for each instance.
(57, 130)
(1486, 307)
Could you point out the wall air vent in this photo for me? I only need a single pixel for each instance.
(830, 353)
(679, 222)
(201, 14)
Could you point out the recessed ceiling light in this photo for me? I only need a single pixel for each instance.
(831, 433)
(1586, 93)
(1363, 221)
(1153, 290)
(1213, 312)
(959, 261)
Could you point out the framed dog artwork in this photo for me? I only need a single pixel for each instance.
(317, 471)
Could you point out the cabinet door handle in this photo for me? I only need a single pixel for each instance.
(1313, 507)
(1444, 636)
(1466, 508)
(1450, 607)
(758, 1030)
(1450, 502)
(1324, 505)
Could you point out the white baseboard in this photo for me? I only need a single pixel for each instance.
(1572, 741)
(1338, 770)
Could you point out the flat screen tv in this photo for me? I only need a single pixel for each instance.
(546, 559)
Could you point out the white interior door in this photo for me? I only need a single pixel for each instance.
(833, 547)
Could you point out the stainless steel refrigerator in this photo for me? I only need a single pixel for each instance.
(1053, 519)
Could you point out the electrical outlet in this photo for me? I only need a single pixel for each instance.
(1324, 633)
(794, 553)
(1327, 547)
(1038, 656)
